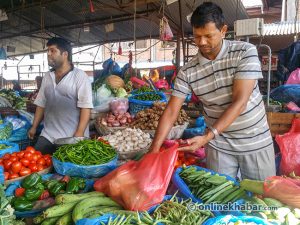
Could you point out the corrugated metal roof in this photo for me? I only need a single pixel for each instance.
(66, 18)
(282, 28)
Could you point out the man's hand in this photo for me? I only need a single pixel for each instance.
(31, 132)
(194, 143)
(78, 134)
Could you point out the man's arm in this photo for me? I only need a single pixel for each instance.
(241, 93)
(83, 122)
(166, 122)
(38, 116)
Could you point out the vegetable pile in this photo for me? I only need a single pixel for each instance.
(211, 188)
(86, 152)
(16, 101)
(111, 120)
(176, 211)
(6, 131)
(143, 89)
(70, 208)
(23, 163)
(128, 140)
(148, 119)
(4, 146)
(150, 96)
(35, 193)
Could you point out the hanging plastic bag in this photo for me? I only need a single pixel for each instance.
(139, 185)
(294, 77)
(284, 189)
(289, 144)
(165, 30)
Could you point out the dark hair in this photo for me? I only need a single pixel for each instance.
(63, 45)
(207, 12)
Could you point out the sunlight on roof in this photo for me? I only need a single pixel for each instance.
(252, 3)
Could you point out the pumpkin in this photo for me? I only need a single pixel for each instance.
(115, 81)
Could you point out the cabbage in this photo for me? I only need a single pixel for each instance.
(104, 91)
(121, 92)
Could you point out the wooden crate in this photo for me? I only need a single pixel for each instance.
(280, 123)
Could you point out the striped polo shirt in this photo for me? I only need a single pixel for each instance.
(212, 82)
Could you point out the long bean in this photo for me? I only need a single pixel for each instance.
(86, 152)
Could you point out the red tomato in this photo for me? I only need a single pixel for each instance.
(49, 162)
(16, 167)
(44, 195)
(19, 192)
(40, 167)
(33, 167)
(1, 160)
(25, 162)
(6, 175)
(20, 154)
(13, 176)
(28, 155)
(1, 164)
(13, 154)
(30, 149)
(32, 161)
(6, 156)
(47, 156)
(7, 164)
(34, 157)
(25, 172)
(14, 158)
(38, 153)
(41, 161)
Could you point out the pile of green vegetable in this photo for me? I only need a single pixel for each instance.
(143, 89)
(148, 97)
(7, 216)
(33, 188)
(86, 152)
(70, 208)
(5, 131)
(16, 101)
(4, 146)
(211, 187)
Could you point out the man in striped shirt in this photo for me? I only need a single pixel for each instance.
(224, 77)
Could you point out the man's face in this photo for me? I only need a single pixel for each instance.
(209, 38)
(56, 58)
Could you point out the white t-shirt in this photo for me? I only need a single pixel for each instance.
(62, 103)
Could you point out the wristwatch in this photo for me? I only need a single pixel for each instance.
(214, 131)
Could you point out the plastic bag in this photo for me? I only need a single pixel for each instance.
(294, 77)
(224, 220)
(138, 185)
(102, 104)
(289, 144)
(119, 106)
(13, 148)
(286, 93)
(20, 127)
(286, 190)
(165, 30)
(71, 169)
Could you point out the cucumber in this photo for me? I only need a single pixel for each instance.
(50, 221)
(82, 206)
(99, 210)
(67, 198)
(38, 219)
(59, 210)
(65, 219)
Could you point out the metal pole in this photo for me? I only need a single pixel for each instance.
(269, 71)
(1, 77)
(178, 52)
(182, 31)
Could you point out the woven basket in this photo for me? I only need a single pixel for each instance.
(175, 133)
(132, 154)
(105, 130)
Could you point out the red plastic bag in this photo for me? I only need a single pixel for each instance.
(289, 144)
(294, 77)
(138, 185)
(286, 190)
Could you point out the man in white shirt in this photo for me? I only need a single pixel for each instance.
(64, 100)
